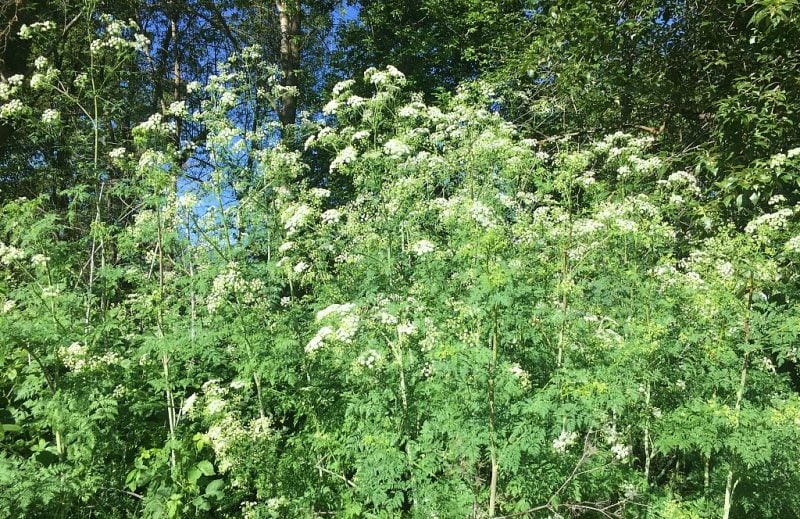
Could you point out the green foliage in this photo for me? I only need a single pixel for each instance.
(420, 312)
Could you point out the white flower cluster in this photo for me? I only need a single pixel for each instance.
(769, 222)
(346, 156)
(396, 148)
(369, 359)
(26, 32)
(10, 254)
(319, 192)
(342, 86)
(316, 342)
(330, 107)
(564, 441)
(7, 90)
(39, 260)
(178, 109)
(481, 214)
(15, 80)
(335, 309)
(793, 244)
(348, 326)
(192, 87)
(117, 37)
(295, 216)
(725, 269)
(391, 76)
(152, 160)
(117, 153)
(8, 305)
(520, 374)
(229, 435)
(360, 135)
(621, 451)
(423, 247)
(355, 101)
(51, 117)
(586, 226)
(682, 179)
(76, 358)
(230, 282)
(644, 166)
(154, 124)
(12, 109)
(40, 80)
(331, 216)
(406, 328)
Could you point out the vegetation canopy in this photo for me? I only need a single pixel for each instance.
(547, 266)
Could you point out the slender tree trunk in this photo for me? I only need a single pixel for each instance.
(289, 12)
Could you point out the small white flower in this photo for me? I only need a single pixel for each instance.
(396, 148)
(330, 107)
(346, 156)
(776, 199)
(15, 80)
(521, 375)
(331, 216)
(192, 87)
(285, 246)
(335, 309)
(564, 441)
(227, 100)
(369, 358)
(39, 260)
(295, 217)
(355, 101)
(309, 141)
(793, 244)
(725, 269)
(620, 451)
(51, 116)
(40, 62)
(406, 328)
(8, 305)
(359, 135)
(348, 328)
(423, 247)
(12, 109)
(188, 404)
(319, 192)
(316, 342)
(300, 267)
(341, 86)
(215, 405)
(178, 109)
(117, 153)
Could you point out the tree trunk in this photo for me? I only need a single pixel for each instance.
(289, 12)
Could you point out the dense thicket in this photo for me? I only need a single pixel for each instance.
(539, 260)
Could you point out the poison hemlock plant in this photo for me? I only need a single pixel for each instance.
(447, 320)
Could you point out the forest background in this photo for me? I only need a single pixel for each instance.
(429, 258)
